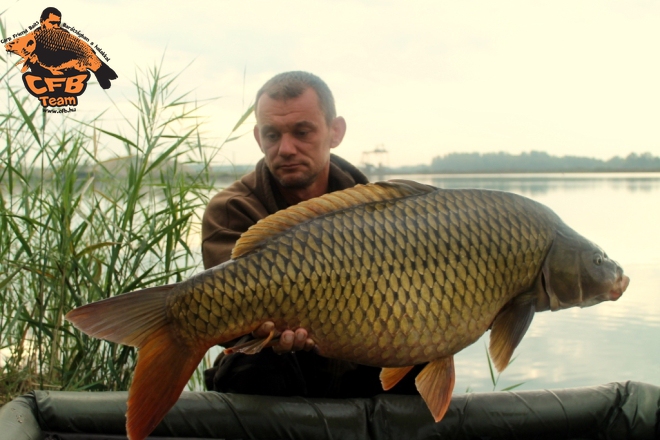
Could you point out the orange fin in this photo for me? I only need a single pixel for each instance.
(281, 221)
(435, 383)
(163, 368)
(509, 327)
(254, 346)
(389, 377)
(165, 362)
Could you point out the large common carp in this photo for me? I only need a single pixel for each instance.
(390, 274)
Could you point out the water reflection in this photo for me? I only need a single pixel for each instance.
(538, 184)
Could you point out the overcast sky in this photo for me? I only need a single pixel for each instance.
(422, 78)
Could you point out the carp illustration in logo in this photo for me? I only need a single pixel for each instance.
(58, 61)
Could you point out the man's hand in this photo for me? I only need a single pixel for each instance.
(289, 340)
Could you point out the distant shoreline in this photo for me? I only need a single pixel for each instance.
(533, 162)
(577, 171)
(387, 171)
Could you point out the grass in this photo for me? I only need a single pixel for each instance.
(495, 378)
(76, 228)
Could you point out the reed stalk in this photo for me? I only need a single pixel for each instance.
(77, 226)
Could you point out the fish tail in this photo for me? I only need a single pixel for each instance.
(164, 367)
(165, 362)
(104, 74)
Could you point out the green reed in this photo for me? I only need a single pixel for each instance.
(77, 227)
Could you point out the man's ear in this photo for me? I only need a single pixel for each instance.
(338, 129)
(257, 137)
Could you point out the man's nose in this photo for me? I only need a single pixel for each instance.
(287, 145)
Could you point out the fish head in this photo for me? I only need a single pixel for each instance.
(22, 46)
(577, 272)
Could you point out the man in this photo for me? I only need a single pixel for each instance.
(296, 128)
(51, 18)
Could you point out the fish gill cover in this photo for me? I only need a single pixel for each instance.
(59, 58)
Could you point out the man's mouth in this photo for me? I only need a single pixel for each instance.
(289, 166)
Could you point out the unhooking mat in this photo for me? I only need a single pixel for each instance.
(628, 410)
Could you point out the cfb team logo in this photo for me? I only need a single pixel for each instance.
(58, 61)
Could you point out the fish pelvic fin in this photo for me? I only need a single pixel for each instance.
(164, 362)
(326, 204)
(435, 383)
(254, 346)
(389, 377)
(509, 327)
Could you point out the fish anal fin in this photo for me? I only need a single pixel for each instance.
(335, 201)
(389, 377)
(254, 346)
(163, 368)
(509, 327)
(435, 383)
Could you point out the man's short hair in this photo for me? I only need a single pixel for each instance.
(50, 10)
(290, 85)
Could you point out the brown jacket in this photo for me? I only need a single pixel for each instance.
(233, 210)
(230, 213)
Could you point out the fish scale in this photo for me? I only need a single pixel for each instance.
(392, 274)
(388, 306)
(57, 39)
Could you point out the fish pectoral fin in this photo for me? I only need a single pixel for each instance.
(435, 383)
(509, 327)
(254, 346)
(389, 377)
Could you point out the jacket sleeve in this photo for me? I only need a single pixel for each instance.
(228, 215)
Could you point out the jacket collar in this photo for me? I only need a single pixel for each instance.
(342, 175)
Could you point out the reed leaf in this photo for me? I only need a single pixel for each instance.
(77, 228)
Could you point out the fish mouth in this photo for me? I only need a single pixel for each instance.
(620, 286)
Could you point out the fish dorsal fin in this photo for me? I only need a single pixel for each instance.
(336, 201)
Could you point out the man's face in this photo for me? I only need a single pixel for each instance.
(295, 138)
(53, 21)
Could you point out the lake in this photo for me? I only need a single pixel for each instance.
(610, 342)
(613, 341)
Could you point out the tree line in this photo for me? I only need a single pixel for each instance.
(531, 162)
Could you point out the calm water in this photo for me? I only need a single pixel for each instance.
(613, 341)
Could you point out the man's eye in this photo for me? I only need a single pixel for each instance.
(272, 136)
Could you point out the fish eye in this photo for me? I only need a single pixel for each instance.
(598, 259)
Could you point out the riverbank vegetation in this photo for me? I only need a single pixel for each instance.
(75, 228)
